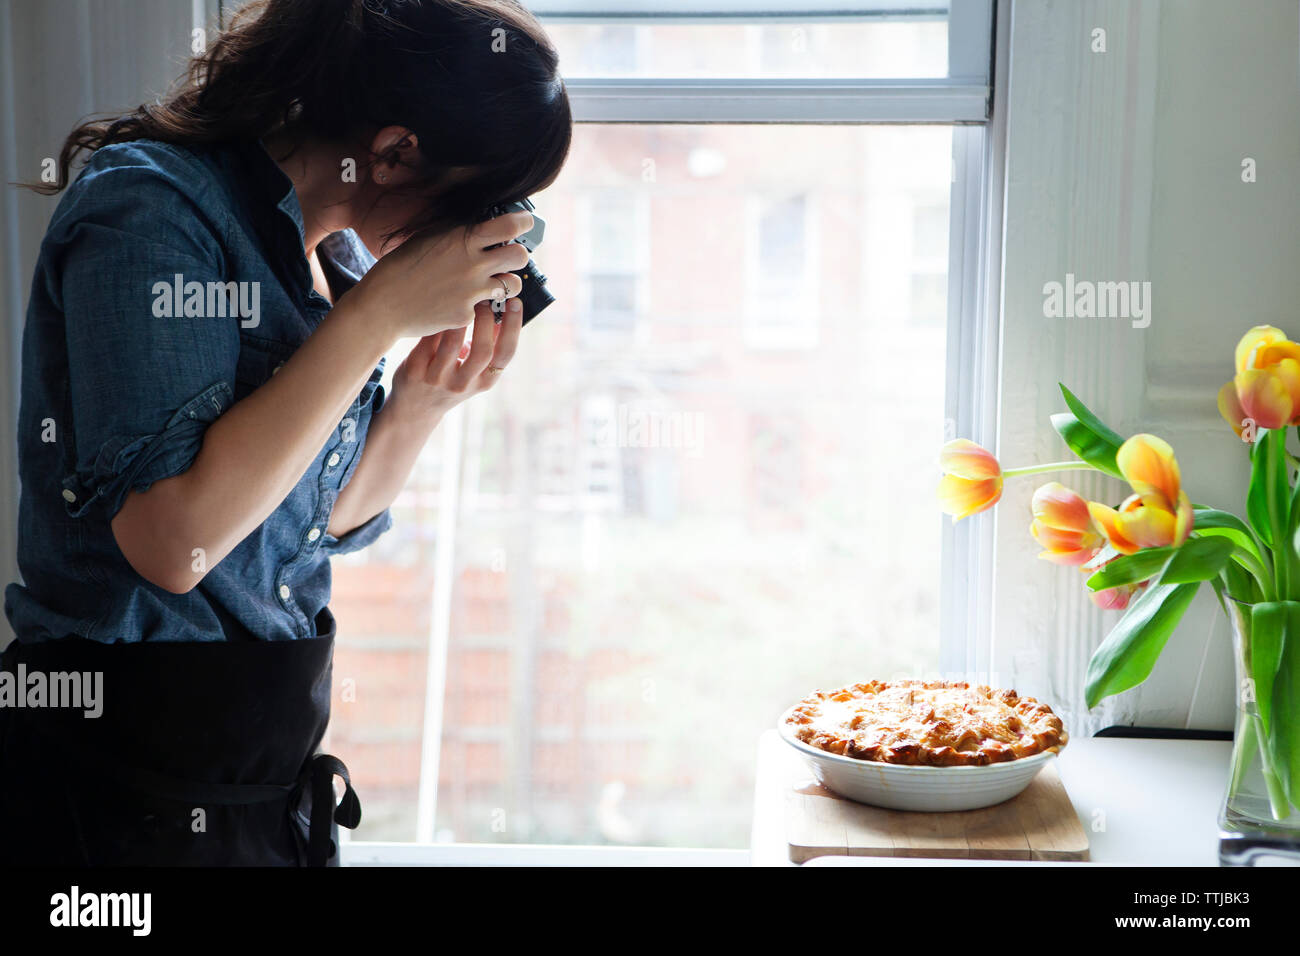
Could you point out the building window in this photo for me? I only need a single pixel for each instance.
(614, 260)
(781, 301)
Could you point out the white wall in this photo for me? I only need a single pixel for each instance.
(1127, 165)
(60, 60)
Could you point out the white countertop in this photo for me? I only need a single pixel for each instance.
(1141, 802)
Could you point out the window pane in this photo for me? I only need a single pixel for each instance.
(884, 48)
(663, 541)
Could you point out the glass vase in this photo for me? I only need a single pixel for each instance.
(1258, 826)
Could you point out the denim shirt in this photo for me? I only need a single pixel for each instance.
(119, 384)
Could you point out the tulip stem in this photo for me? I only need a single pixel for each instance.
(1053, 466)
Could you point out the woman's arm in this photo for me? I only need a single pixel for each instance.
(254, 454)
(435, 377)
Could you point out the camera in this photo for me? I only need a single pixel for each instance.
(534, 295)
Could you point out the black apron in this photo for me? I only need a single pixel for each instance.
(204, 755)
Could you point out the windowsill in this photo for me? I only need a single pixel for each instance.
(1156, 803)
(527, 854)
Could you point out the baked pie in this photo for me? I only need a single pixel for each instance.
(935, 723)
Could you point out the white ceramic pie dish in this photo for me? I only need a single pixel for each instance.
(904, 787)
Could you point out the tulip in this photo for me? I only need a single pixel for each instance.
(1266, 388)
(1116, 598)
(1231, 410)
(1159, 514)
(972, 480)
(1063, 526)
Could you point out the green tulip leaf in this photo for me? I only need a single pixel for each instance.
(1130, 569)
(1199, 559)
(1130, 650)
(1087, 444)
(1293, 511)
(1268, 498)
(1211, 522)
(1087, 436)
(1241, 584)
(1085, 416)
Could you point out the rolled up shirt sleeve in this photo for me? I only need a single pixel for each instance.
(362, 536)
(145, 381)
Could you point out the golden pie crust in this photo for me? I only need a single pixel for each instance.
(933, 723)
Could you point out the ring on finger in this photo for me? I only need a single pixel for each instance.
(495, 370)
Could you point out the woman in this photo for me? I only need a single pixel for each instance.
(202, 424)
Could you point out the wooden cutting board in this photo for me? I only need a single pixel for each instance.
(1039, 824)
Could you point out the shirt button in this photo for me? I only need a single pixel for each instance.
(69, 496)
(284, 591)
(313, 534)
(334, 460)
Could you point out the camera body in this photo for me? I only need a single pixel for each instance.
(534, 295)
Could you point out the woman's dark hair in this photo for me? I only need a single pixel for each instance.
(477, 81)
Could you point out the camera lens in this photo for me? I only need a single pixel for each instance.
(534, 296)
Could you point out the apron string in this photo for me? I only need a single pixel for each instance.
(318, 773)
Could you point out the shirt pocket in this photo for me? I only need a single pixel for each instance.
(259, 359)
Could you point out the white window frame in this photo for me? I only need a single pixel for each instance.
(969, 99)
(975, 242)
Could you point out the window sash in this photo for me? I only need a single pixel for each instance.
(699, 10)
(676, 100)
(963, 97)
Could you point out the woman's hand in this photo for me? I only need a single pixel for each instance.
(439, 373)
(443, 370)
(431, 282)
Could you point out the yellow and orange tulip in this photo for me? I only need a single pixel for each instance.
(1266, 387)
(1063, 526)
(972, 480)
(1159, 514)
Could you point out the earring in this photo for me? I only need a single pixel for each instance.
(383, 177)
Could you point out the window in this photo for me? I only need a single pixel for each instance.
(613, 257)
(727, 46)
(605, 49)
(695, 495)
(781, 301)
